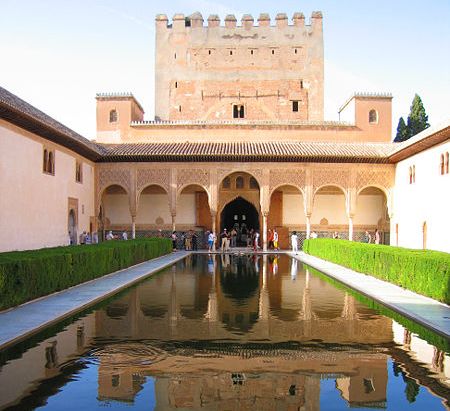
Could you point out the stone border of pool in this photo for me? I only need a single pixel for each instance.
(423, 310)
(18, 323)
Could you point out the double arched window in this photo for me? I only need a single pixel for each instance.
(48, 163)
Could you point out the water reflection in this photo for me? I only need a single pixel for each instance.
(233, 332)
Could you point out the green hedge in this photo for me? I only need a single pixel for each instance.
(423, 271)
(26, 275)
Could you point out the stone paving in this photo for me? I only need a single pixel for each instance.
(424, 310)
(24, 320)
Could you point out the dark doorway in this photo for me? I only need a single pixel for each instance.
(241, 215)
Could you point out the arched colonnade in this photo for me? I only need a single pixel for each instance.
(299, 196)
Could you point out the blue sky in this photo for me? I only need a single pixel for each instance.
(56, 54)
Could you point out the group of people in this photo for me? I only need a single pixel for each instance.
(188, 239)
(368, 237)
(110, 236)
(87, 238)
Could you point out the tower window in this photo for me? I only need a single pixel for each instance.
(238, 111)
(295, 106)
(176, 84)
(273, 51)
(239, 182)
(209, 52)
(373, 117)
(231, 52)
(113, 116)
(295, 51)
(301, 83)
(175, 56)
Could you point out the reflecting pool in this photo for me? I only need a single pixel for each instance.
(229, 332)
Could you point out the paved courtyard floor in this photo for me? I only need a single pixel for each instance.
(20, 322)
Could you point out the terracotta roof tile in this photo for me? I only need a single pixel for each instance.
(249, 151)
(24, 115)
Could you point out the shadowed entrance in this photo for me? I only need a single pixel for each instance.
(242, 215)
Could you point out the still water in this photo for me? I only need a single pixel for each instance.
(220, 333)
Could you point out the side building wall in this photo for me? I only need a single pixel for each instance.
(421, 201)
(35, 204)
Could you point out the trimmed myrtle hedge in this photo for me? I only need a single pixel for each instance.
(423, 271)
(26, 275)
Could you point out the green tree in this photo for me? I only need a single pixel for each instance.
(402, 131)
(417, 119)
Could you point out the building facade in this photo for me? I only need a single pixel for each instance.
(249, 148)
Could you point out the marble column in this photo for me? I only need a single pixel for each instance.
(264, 236)
(133, 227)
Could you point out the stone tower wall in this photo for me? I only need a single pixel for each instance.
(202, 71)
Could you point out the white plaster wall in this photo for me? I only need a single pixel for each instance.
(331, 207)
(117, 208)
(293, 209)
(369, 209)
(34, 205)
(153, 206)
(427, 200)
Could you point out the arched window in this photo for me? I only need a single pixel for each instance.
(446, 163)
(239, 182)
(442, 165)
(51, 163)
(253, 183)
(226, 182)
(45, 161)
(78, 172)
(112, 116)
(373, 116)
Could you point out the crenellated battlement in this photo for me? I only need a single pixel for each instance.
(196, 21)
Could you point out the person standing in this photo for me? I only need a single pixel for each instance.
(275, 239)
(367, 237)
(211, 241)
(174, 240)
(256, 241)
(223, 239)
(377, 237)
(294, 242)
(194, 241)
(270, 239)
(233, 237)
(124, 236)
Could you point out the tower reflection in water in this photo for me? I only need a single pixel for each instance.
(245, 332)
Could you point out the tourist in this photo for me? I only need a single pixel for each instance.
(174, 240)
(336, 235)
(223, 238)
(194, 241)
(83, 238)
(87, 239)
(294, 242)
(124, 236)
(110, 236)
(250, 237)
(275, 239)
(256, 241)
(270, 239)
(377, 237)
(233, 237)
(313, 235)
(211, 241)
(367, 237)
(160, 234)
